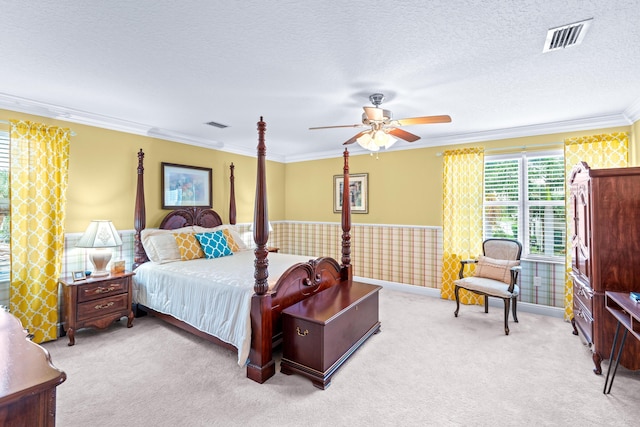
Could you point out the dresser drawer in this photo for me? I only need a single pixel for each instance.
(97, 290)
(103, 307)
(584, 294)
(583, 318)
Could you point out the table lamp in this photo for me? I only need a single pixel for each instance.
(100, 236)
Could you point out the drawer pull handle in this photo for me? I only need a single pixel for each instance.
(302, 334)
(103, 306)
(102, 290)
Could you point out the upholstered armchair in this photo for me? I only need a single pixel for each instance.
(496, 275)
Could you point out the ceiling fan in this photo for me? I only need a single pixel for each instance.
(383, 128)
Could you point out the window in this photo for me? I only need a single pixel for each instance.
(4, 220)
(524, 200)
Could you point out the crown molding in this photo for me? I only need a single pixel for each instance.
(633, 111)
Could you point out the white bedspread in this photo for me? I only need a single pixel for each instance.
(212, 295)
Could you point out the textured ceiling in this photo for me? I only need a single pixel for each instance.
(144, 66)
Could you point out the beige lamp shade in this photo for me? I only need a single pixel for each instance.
(100, 235)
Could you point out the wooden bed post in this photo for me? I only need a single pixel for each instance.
(261, 365)
(139, 217)
(232, 195)
(347, 272)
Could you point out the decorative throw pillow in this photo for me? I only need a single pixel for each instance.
(214, 244)
(496, 269)
(230, 240)
(160, 245)
(230, 229)
(189, 246)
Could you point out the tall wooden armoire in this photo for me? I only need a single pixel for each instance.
(605, 245)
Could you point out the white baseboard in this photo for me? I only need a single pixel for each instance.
(434, 292)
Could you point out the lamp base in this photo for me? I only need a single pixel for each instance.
(100, 257)
(97, 273)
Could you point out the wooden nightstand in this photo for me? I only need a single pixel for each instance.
(272, 249)
(96, 302)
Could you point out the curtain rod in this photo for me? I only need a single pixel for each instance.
(519, 147)
(6, 122)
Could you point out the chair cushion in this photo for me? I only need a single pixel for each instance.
(487, 286)
(496, 269)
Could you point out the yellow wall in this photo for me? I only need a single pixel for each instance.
(103, 174)
(405, 186)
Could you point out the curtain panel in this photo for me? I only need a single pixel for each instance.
(599, 152)
(463, 184)
(39, 160)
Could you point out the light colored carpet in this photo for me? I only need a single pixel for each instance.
(426, 367)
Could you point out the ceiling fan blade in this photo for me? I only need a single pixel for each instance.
(377, 114)
(339, 126)
(423, 120)
(403, 134)
(354, 138)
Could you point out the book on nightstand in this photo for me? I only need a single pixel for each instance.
(635, 296)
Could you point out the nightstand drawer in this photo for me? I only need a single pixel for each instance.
(102, 307)
(101, 289)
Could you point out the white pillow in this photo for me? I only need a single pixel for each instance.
(232, 229)
(160, 245)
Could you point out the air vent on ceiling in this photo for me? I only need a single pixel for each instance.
(566, 36)
(217, 125)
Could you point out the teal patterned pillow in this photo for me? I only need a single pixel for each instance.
(214, 244)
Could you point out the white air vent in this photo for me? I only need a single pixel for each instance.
(566, 36)
(217, 125)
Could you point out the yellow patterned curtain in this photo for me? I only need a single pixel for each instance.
(598, 151)
(463, 184)
(38, 172)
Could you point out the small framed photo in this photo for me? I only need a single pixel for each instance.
(358, 192)
(117, 267)
(185, 186)
(78, 275)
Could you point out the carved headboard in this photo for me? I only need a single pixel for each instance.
(191, 216)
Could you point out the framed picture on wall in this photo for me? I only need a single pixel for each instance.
(185, 186)
(358, 192)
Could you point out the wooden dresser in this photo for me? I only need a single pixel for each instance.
(321, 332)
(605, 242)
(28, 380)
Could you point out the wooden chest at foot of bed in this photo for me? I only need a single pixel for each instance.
(321, 332)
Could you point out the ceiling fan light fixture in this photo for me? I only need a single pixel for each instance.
(380, 138)
(367, 142)
(390, 141)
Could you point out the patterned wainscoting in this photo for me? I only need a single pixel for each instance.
(394, 253)
(76, 259)
(550, 288)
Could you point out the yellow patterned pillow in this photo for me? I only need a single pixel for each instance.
(230, 241)
(189, 246)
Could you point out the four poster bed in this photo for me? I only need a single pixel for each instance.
(258, 317)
